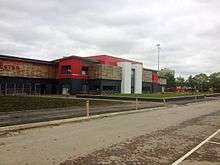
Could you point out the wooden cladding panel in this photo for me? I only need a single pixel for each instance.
(26, 69)
(147, 76)
(100, 71)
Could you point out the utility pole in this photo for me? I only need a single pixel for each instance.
(158, 56)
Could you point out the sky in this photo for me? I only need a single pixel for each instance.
(187, 30)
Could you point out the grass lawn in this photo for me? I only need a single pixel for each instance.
(160, 95)
(21, 103)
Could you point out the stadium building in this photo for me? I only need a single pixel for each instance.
(74, 74)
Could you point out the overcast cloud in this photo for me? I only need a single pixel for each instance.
(188, 31)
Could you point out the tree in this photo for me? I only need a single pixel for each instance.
(190, 82)
(201, 82)
(214, 81)
(170, 80)
(180, 81)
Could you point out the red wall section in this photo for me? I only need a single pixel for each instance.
(155, 78)
(109, 60)
(76, 68)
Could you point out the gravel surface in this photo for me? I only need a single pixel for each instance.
(160, 147)
(154, 137)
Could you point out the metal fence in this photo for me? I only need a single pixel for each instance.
(19, 91)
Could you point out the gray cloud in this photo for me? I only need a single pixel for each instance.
(188, 31)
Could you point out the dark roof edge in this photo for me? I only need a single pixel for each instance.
(150, 69)
(77, 57)
(113, 56)
(10, 57)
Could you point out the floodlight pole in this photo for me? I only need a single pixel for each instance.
(158, 56)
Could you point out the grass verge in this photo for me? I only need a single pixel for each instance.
(160, 95)
(21, 103)
(155, 97)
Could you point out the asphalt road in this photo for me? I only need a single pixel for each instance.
(153, 137)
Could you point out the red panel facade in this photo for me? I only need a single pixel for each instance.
(155, 78)
(75, 71)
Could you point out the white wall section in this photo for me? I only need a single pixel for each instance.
(138, 78)
(126, 77)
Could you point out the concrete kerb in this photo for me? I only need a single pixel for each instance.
(14, 128)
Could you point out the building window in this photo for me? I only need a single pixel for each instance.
(84, 70)
(66, 69)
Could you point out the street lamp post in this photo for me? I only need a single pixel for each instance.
(158, 56)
